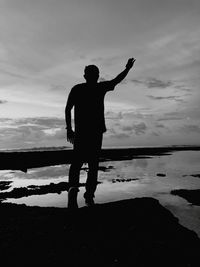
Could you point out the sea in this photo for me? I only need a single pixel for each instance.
(154, 176)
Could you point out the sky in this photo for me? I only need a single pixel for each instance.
(45, 45)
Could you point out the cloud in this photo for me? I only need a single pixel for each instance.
(155, 133)
(128, 123)
(183, 88)
(170, 118)
(113, 115)
(41, 122)
(126, 131)
(32, 132)
(13, 74)
(160, 125)
(176, 98)
(140, 128)
(120, 135)
(3, 101)
(153, 83)
(127, 128)
(189, 128)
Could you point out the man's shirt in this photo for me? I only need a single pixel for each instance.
(88, 102)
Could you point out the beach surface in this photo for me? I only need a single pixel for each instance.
(147, 212)
(134, 232)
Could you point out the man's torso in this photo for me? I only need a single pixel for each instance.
(89, 107)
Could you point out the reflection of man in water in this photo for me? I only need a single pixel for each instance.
(88, 102)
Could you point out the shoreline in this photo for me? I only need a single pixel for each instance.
(35, 159)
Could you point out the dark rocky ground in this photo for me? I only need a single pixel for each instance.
(136, 232)
(191, 195)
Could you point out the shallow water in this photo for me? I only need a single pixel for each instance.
(123, 180)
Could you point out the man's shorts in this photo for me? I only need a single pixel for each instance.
(87, 146)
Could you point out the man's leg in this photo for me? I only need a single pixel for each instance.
(91, 183)
(74, 173)
(93, 164)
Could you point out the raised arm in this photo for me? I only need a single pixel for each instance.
(124, 73)
(68, 120)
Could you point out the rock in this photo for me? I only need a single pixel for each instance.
(161, 174)
(135, 232)
(192, 196)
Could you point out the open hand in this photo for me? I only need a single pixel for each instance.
(130, 63)
(70, 136)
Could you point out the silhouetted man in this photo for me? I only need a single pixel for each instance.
(88, 102)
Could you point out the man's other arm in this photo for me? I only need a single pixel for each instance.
(120, 77)
(68, 120)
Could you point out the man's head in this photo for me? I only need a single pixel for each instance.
(91, 73)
